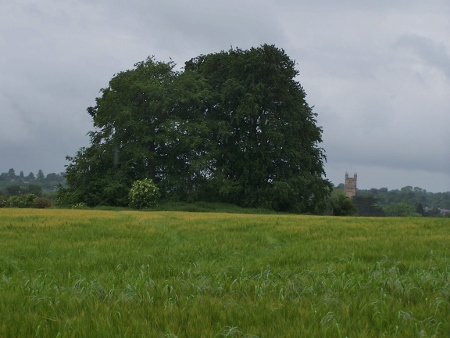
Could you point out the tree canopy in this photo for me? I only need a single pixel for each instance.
(232, 127)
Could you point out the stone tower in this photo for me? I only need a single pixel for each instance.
(350, 185)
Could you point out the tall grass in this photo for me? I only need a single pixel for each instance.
(78, 273)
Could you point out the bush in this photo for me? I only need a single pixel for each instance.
(14, 202)
(3, 199)
(341, 205)
(22, 201)
(42, 203)
(143, 194)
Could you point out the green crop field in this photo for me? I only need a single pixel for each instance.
(86, 273)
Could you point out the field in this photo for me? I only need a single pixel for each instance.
(87, 273)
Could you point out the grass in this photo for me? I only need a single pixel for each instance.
(201, 206)
(78, 273)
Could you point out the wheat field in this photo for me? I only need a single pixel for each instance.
(91, 273)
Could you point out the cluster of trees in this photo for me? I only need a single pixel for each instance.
(31, 196)
(24, 201)
(407, 201)
(22, 191)
(12, 180)
(413, 196)
(231, 127)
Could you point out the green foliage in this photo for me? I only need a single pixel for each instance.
(406, 201)
(40, 175)
(34, 189)
(15, 190)
(3, 199)
(233, 127)
(402, 209)
(19, 184)
(42, 203)
(413, 196)
(341, 205)
(143, 194)
(22, 201)
(420, 209)
(12, 173)
(367, 205)
(29, 200)
(65, 197)
(15, 202)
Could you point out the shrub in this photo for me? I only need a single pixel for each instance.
(22, 201)
(341, 205)
(42, 203)
(14, 202)
(28, 200)
(143, 194)
(3, 199)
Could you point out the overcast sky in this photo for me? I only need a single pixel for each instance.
(376, 72)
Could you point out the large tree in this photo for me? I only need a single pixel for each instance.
(126, 118)
(233, 126)
(263, 135)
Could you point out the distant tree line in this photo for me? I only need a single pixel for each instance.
(18, 190)
(40, 191)
(407, 201)
(18, 182)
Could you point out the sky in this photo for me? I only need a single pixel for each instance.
(376, 72)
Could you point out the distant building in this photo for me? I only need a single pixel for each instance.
(350, 185)
(444, 212)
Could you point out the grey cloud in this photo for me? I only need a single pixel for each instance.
(379, 84)
(432, 53)
(183, 30)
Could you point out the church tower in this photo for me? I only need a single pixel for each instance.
(350, 185)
